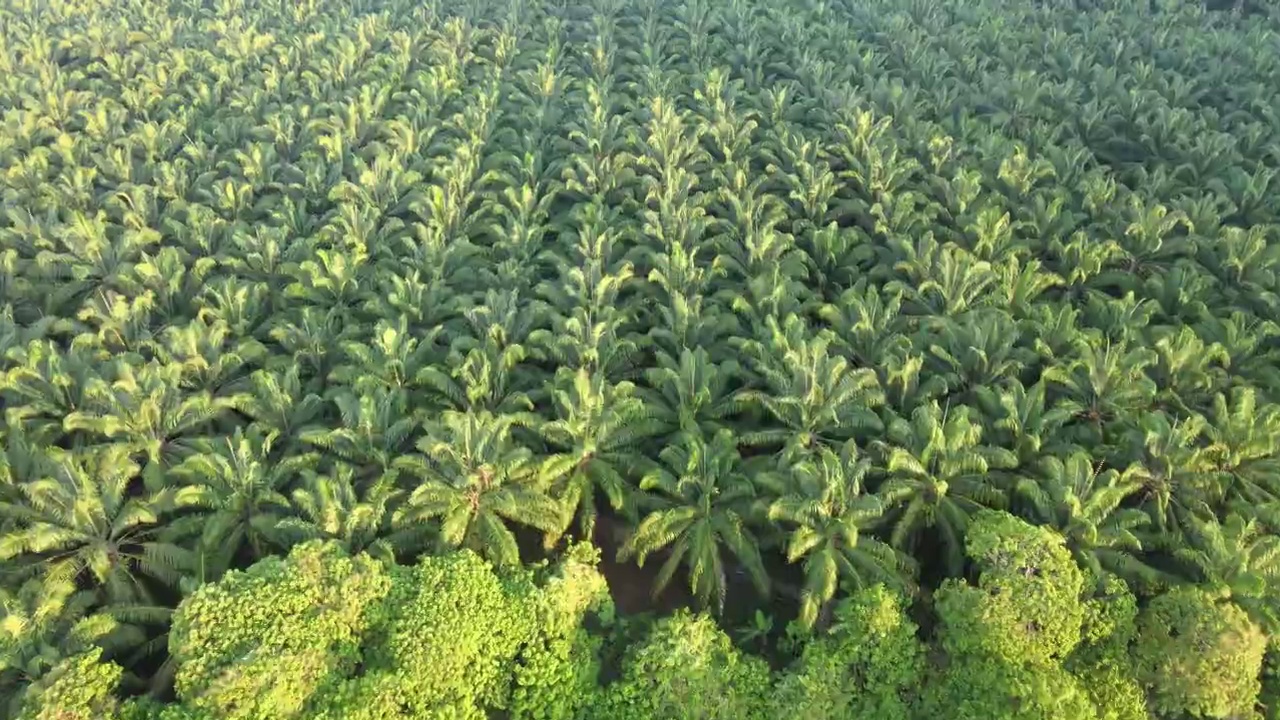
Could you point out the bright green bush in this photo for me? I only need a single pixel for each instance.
(1199, 655)
(978, 687)
(868, 666)
(322, 635)
(686, 669)
(261, 644)
(556, 672)
(1013, 640)
(81, 687)
(1103, 660)
(1027, 603)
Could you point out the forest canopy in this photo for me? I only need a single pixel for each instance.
(639, 360)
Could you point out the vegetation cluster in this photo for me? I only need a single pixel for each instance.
(639, 360)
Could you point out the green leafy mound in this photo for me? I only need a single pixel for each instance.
(319, 634)
(687, 668)
(869, 664)
(1026, 605)
(1200, 656)
(322, 635)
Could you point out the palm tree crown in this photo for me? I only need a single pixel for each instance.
(474, 480)
(701, 498)
(828, 510)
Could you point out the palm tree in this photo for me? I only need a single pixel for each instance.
(762, 267)
(936, 476)
(376, 428)
(233, 493)
(1189, 371)
(334, 506)
(277, 402)
(483, 379)
(311, 338)
(1021, 282)
(813, 396)
(585, 316)
(1240, 559)
(691, 393)
(1149, 242)
(684, 316)
(945, 280)
(88, 258)
(1178, 474)
(1025, 421)
(1085, 504)
(146, 409)
(46, 384)
(1250, 345)
(330, 278)
(213, 359)
(1244, 442)
(701, 501)
(1105, 382)
(475, 480)
(87, 520)
(42, 622)
(488, 370)
(1117, 318)
(828, 510)
(390, 359)
(868, 323)
(977, 350)
(597, 433)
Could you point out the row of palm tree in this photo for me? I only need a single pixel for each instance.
(473, 476)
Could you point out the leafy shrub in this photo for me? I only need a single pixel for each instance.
(1199, 655)
(869, 665)
(687, 669)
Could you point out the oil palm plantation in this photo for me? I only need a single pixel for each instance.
(480, 274)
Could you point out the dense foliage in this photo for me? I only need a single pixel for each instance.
(880, 359)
